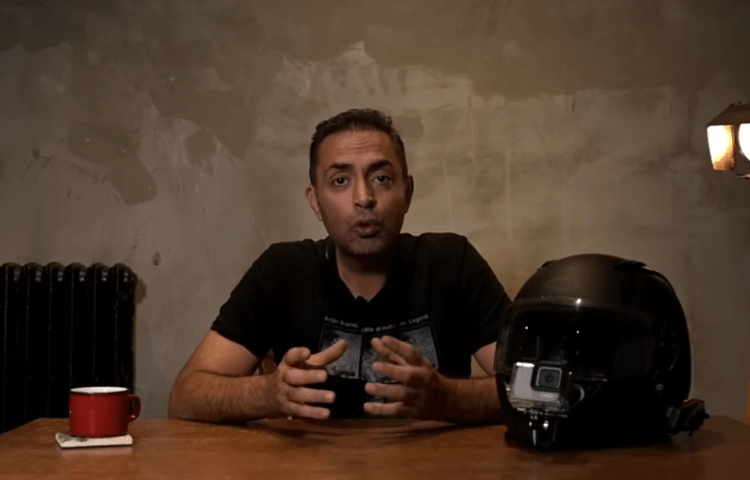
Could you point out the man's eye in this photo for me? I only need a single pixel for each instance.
(339, 181)
(383, 179)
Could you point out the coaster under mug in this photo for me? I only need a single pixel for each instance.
(66, 440)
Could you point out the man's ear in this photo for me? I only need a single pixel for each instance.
(409, 190)
(313, 200)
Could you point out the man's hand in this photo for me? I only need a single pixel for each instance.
(420, 392)
(285, 390)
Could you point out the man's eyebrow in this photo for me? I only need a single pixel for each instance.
(348, 166)
(339, 166)
(379, 164)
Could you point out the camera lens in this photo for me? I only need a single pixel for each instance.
(549, 377)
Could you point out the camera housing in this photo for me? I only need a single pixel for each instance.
(530, 387)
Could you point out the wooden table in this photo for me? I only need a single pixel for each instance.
(378, 449)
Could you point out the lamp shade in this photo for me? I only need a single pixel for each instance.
(729, 139)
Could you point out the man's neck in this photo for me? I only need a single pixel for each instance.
(364, 276)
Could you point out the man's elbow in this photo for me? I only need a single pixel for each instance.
(176, 406)
(173, 411)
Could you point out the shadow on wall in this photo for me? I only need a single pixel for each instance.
(116, 148)
(37, 25)
(98, 134)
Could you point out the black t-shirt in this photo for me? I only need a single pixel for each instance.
(440, 296)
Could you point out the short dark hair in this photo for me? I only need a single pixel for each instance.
(356, 119)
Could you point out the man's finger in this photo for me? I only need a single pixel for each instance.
(296, 355)
(386, 353)
(389, 409)
(311, 395)
(408, 352)
(329, 355)
(398, 373)
(391, 392)
(307, 411)
(297, 376)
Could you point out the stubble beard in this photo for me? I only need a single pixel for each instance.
(366, 247)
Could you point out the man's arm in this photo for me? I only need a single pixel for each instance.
(422, 392)
(472, 400)
(485, 357)
(217, 384)
(476, 399)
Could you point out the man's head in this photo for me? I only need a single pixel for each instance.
(356, 119)
(359, 185)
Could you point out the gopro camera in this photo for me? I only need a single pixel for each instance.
(538, 386)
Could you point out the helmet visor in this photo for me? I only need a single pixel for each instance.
(592, 342)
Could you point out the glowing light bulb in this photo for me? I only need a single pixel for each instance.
(720, 146)
(743, 138)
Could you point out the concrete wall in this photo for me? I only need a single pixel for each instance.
(172, 136)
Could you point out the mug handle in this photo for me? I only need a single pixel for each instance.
(136, 403)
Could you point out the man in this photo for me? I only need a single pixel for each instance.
(393, 315)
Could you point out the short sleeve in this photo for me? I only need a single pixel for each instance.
(245, 317)
(486, 301)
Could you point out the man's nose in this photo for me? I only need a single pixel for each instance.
(364, 196)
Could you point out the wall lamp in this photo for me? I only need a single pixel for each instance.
(729, 140)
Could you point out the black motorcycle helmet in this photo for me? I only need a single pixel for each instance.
(595, 352)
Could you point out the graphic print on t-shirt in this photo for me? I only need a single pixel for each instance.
(356, 363)
(348, 365)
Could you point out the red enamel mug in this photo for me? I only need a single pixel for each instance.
(102, 411)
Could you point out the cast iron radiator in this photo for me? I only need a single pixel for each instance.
(62, 327)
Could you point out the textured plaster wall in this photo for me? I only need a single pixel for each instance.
(172, 136)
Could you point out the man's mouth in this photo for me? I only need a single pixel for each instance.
(366, 228)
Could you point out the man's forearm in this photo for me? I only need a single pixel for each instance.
(472, 400)
(210, 397)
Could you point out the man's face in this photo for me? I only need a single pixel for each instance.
(361, 194)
